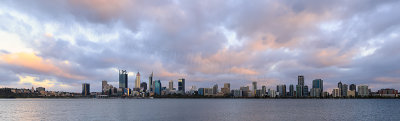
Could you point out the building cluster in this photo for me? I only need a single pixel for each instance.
(154, 88)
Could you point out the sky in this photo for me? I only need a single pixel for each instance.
(60, 44)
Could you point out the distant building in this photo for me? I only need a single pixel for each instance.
(291, 90)
(363, 90)
(271, 93)
(157, 87)
(299, 90)
(123, 79)
(143, 86)
(352, 87)
(137, 81)
(351, 93)
(300, 80)
(340, 88)
(263, 91)
(181, 85)
(282, 90)
(344, 90)
(200, 91)
(305, 91)
(215, 89)
(237, 93)
(245, 91)
(85, 89)
(388, 92)
(151, 85)
(226, 89)
(254, 88)
(317, 88)
(208, 91)
(336, 92)
(171, 85)
(40, 89)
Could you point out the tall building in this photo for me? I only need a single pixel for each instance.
(143, 86)
(215, 89)
(226, 89)
(151, 85)
(157, 87)
(363, 90)
(340, 88)
(171, 85)
(352, 87)
(282, 90)
(300, 80)
(137, 81)
(291, 90)
(344, 90)
(299, 90)
(305, 91)
(254, 88)
(85, 89)
(336, 92)
(123, 79)
(181, 85)
(317, 88)
(245, 91)
(271, 93)
(263, 90)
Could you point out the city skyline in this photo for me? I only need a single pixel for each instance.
(61, 45)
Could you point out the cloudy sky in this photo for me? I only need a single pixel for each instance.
(62, 44)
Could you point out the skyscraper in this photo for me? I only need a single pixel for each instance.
(254, 88)
(85, 89)
(363, 90)
(263, 90)
(344, 90)
(226, 89)
(282, 90)
(300, 80)
(305, 91)
(317, 88)
(123, 79)
(291, 90)
(215, 89)
(157, 87)
(171, 85)
(151, 82)
(137, 81)
(181, 85)
(352, 87)
(104, 85)
(340, 88)
(143, 86)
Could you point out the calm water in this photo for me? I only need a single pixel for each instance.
(200, 109)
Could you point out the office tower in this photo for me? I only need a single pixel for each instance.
(299, 90)
(282, 90)
(363, 90)
(123, 79)
(254, 88)
(352, 87)
(277, 88)
(300, 80)
(271, 93)
(226, 89)
(291, 90)
(157, 87)
(305, 91)
(245, 91)
(215, 89)
(85, 89)
(344, 90)
(104, 86)
(336, 92)
(317, 88)
(171, 85)
(181, 85)
(263, 90)
(340, 88)
(151, 85)
(137, 81)
(143, 86)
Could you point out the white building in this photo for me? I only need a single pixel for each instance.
(363, 90)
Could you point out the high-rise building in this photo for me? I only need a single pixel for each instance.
(340, 88)
(363, 90)
(123, 79)
(344, 90)
(226, 89)
(271, 93)
(291, 90)
(336, 92)
(215, 89)
(299, 90)
(85, 89)
(254, 88)
(352, 87)
(245, 91)
(282, 90)
(143, 86)
(263, 90)
(305, 91)
(181, 86)
(317, 88)
(300, 80)
(103, 85)
(137, 81)
(171, 85)
(151, 85)
(157, 87)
